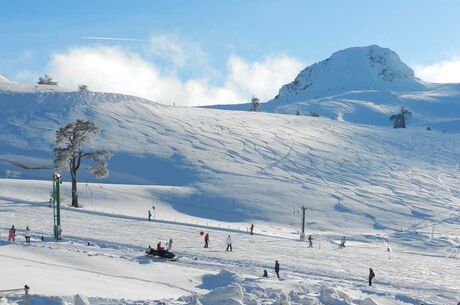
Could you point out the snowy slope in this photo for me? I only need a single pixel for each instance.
(218, 171)
(241, 166)
(366, 85)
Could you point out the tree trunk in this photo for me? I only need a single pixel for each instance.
(73, 174)
(74, 191)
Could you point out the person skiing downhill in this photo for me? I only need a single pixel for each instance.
(342, 242)
(27, 235)
(170, 244)
(206, 240)
(11, 233)
(252, 229)
(371, 276)
(310, 241)
(229, 243)
(150, 215)
(277, 269)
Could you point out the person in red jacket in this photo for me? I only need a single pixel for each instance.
(206, 240)
(11, 233)
(159, 247)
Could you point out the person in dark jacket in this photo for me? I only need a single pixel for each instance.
(265, 273)
(206, 240)
(371, 276)
(150, 215)
(252, 229)
(310, 241)
(277, 269)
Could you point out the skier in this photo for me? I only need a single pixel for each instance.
(170, 244)
(150, 215)
(27, 235)
(265, 273)
(229, 243)
(252, 229)
(342, 243)
(206, 240)
(310, 241)
(11, 233)
(277, 269)
(371, 276)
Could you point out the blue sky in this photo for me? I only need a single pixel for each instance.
(208, 35)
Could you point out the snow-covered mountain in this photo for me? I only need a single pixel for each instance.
(366, 85)
(241, 166)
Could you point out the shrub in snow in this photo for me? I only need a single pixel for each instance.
(12, 174)
(46, 80)
(83, 88)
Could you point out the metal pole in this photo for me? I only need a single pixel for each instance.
(58, 201)
(303, 219)
(26, 295)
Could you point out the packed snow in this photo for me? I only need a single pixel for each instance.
(392, 193)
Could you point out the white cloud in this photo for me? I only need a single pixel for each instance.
(179, 52)
(447, 71)
(113, 69)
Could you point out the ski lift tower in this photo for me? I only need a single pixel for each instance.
(57, 206)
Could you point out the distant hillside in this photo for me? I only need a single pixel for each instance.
(365, 85)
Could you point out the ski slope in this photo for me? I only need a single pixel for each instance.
(101, 258)
(219, 171)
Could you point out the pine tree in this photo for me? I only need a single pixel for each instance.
(255, 105)
(72, 137)
(399, 120)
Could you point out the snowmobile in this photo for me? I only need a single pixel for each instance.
(164, 253)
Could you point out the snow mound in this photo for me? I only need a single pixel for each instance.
(236, 294)
(229, 295)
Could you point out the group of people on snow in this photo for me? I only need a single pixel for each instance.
(160, 248)
(12, 234)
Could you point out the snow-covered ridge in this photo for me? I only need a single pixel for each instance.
(365, 85)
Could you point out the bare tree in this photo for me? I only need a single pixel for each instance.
(255, 104)
(46, 80)
(399, 120)
(69, 152)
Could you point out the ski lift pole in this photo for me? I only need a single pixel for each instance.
(303, 222)
(57, 205)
